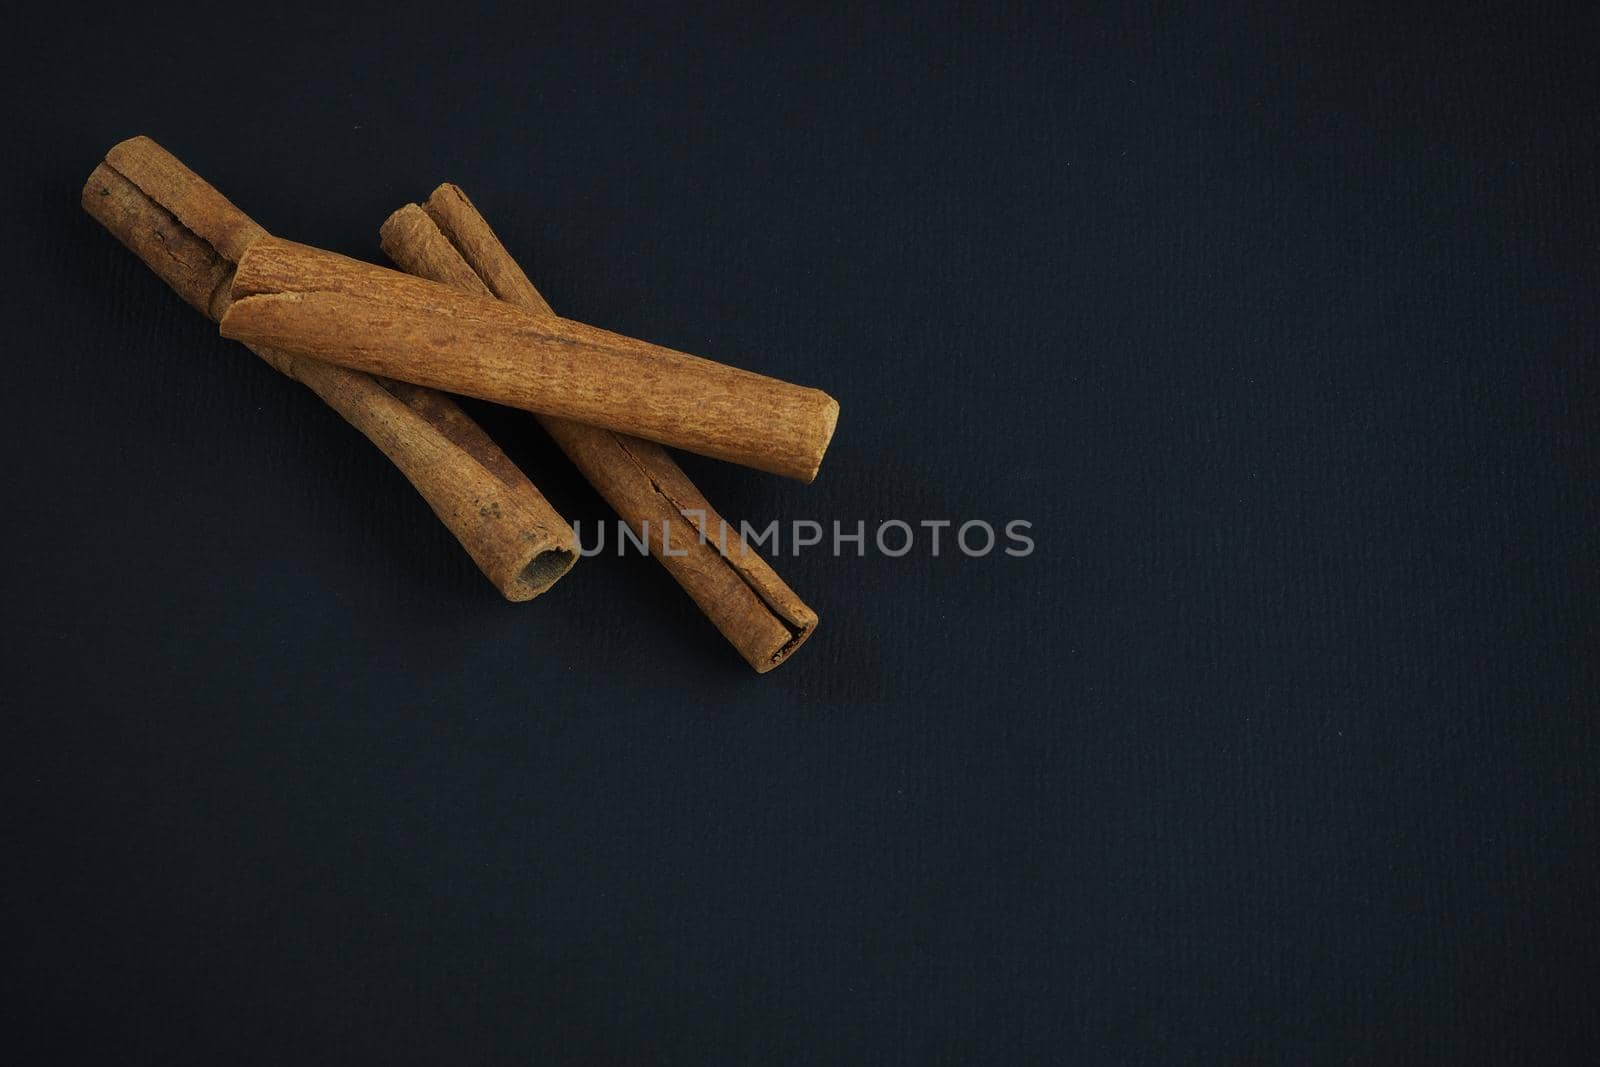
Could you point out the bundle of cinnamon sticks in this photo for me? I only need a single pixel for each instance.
(384, 347)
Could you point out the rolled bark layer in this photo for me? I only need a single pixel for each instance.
(450, 242)
(192, 237)
(381, 321)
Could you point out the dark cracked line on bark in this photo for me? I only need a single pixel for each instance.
(796, 633)
(224, 284)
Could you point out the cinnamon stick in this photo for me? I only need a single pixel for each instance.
(450, 242)
(369, 318)
(192, 237)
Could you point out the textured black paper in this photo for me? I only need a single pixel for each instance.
(1279, 326)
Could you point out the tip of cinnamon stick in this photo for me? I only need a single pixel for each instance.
(414, 241)
(789, 648)
(830, 422)
(95, 185)
(137, 143)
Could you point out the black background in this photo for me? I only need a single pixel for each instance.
(1280, 327)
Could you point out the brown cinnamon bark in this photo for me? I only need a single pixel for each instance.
(369, 318)
(191, 236)
(449, 241)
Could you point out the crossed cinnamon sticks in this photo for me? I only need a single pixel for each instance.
(447, 240)
(371, 342)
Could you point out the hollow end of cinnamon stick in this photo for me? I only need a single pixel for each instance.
(540, 573)
(765, 651)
